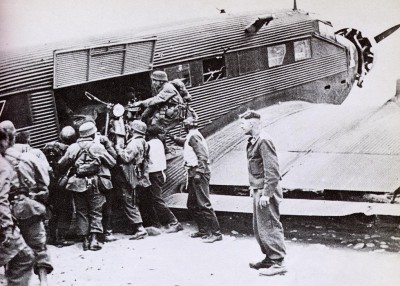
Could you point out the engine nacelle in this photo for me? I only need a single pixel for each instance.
(363, 46)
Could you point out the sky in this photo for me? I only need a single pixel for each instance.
(36, 22)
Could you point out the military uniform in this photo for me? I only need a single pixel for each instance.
(30, 179)
(14, 252)
(264, 180)
(88, 199)
(163, 109)
(127, 179)
(60, 199)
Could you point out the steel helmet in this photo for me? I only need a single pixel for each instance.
(87, 129)
(190, 122)
(139, 126)
(159, 75)
(67, 134)
(9, 127)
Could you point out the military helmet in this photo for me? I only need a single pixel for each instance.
(190, 122)
(159, 75)
(139, 126)
(9, 127)
(87, 129)
(67, 134)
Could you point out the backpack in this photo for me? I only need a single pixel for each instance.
(53, 153)
(142, 168)
(86, 164)
(137, 173)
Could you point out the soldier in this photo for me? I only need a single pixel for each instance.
(28, 192)
(131, 175)
(60, 199)
(14, 253)
(196, 158)
(23, 144)
(163, 109)
(90, 163)
(264, 180)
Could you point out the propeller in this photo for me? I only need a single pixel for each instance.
(386, 33)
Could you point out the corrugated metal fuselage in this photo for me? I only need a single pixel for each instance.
(323, 77)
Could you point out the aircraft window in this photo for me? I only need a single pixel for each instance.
(180, 71)
(326, 31)
(214, 69)
(249, 61)
(302, 50)
(276, 54)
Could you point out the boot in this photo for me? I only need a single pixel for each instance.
(94, 244)
(109, 236)
(61, 241)
(174, 227)
(212, 238)
(85, 243)
(140, 233)
(42, 273)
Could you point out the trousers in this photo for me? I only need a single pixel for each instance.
(89, 206)
(153, 204)
(199, 205)
(18, 258)
(268, 230)
(34, 233)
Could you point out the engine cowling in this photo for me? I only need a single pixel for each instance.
(363, 46)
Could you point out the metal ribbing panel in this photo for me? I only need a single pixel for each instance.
(138, 57)
(71, 68)
(44, 127)
(207, 39)
(227, 94)
(105, 66)
(29, 69)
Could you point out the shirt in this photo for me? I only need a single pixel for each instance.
(157, 160)
(263, 164)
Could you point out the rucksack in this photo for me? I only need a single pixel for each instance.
(53, 154)
(86, 164)
(142, 168)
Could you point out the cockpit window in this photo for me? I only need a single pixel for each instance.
(214, 69)
(276, 54)
(180, 71)
(302, 50)
(326, 31)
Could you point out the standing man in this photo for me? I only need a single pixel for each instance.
(131, 175)
(14, 253)
(60, 199)
(154, 204)
(196, 159)
(267, 194)
(29, 190)
(90, 162)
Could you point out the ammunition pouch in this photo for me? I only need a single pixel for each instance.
(24, 208)
(16, 192)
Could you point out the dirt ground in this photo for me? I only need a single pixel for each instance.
(178, 260)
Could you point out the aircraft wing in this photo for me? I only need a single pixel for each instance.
(320, 147)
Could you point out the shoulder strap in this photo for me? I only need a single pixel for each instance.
(16, 166)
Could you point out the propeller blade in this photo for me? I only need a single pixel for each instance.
(386, 33)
